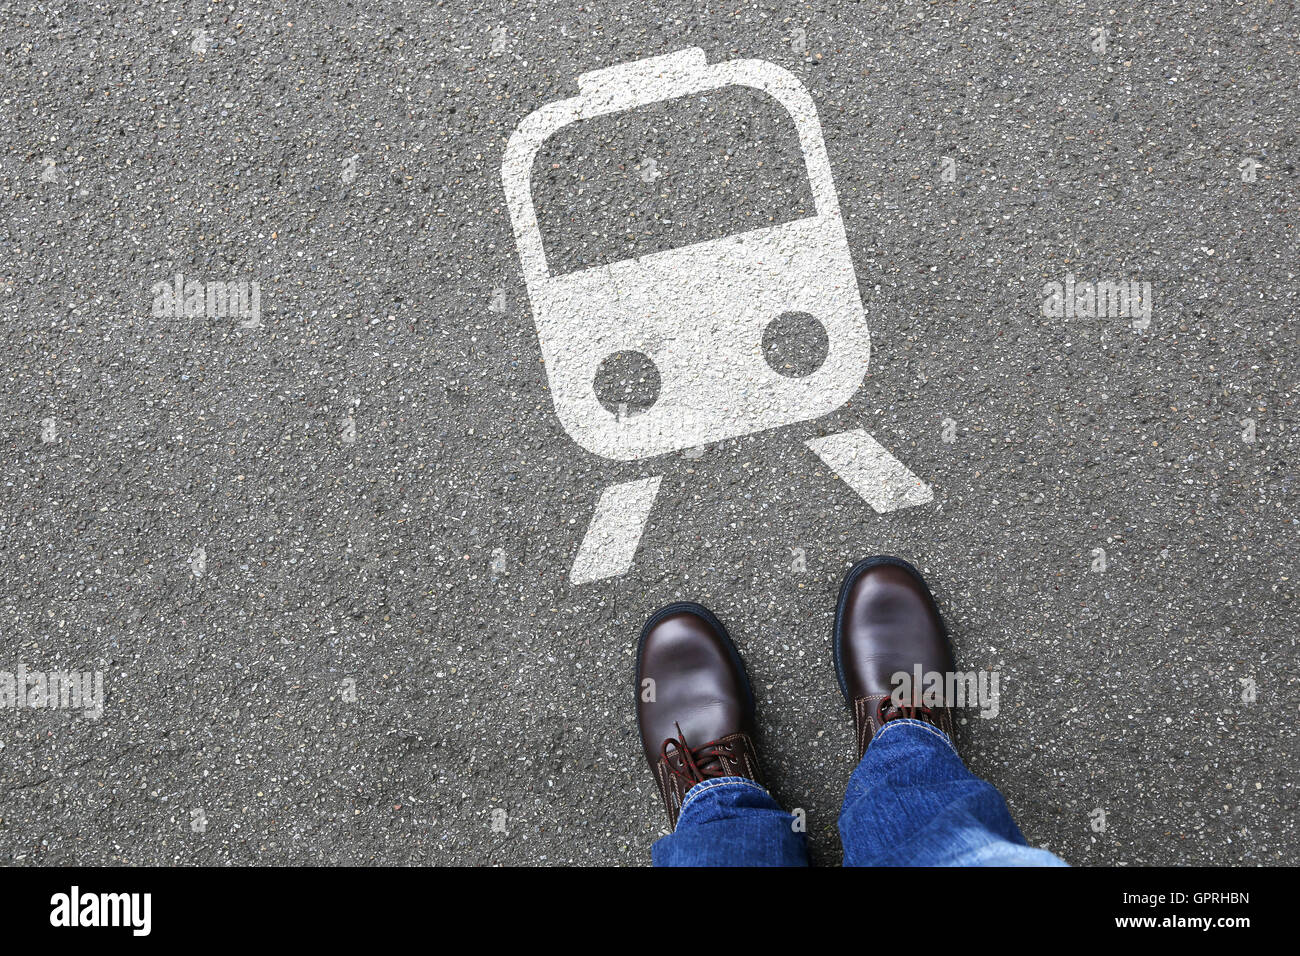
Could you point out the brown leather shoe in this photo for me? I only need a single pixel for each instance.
(886, 622)
(697, 718)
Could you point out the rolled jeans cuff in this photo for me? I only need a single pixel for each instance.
(714, 783)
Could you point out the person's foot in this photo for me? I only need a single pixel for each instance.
(886, 622)
(694, 705)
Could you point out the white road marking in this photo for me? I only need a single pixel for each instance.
(615, 530)
(698, 312)
(881, 479)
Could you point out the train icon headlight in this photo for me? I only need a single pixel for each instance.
(696, 313)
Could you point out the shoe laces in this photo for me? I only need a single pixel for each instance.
(887, 710)
(698, 763)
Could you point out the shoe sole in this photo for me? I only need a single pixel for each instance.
(855, 572)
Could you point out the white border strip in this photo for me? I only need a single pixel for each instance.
(615, 530)
(881, 479)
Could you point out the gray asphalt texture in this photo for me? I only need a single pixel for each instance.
(427, 561)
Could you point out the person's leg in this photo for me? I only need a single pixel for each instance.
(911, 801)
(695, 712)
(731, 821)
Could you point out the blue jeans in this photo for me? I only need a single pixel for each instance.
(910, 802)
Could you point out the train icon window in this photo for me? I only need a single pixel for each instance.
(716, 294)
(669, 174)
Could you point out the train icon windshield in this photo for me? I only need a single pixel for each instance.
(666, 175)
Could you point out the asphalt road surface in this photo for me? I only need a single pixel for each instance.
(320, 551)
